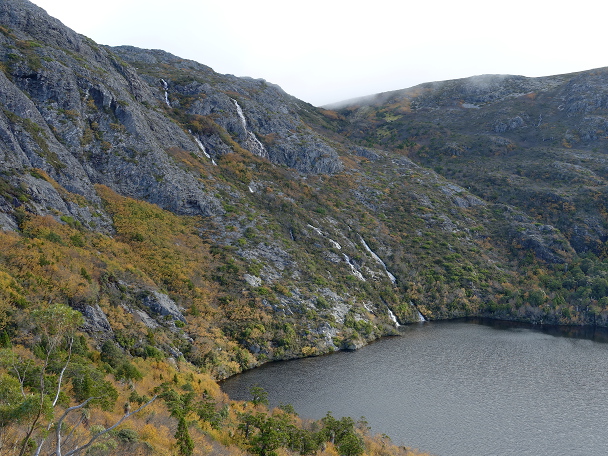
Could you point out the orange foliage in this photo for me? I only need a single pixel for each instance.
(329, 113)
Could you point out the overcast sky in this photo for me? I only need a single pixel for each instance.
(323, 51)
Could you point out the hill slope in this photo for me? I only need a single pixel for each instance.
(280, 229)
(220, 222)
(535, 143)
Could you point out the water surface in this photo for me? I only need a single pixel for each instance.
(458, 389)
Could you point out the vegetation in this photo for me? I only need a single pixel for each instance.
(60, 396)
(117, 316)
(60, 390)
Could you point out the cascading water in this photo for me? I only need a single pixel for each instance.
(379, 261)
(253, 143)
(335, 244)
(420, 316)
(166, 87)
(354, 270)
(322, 234)
(358, 273)
(317, 230)
(393, 317)
(201, 146)
(390, 276)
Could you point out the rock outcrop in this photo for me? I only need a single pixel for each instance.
(81, 113)
(242, 106)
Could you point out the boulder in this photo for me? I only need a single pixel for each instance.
(162, 304)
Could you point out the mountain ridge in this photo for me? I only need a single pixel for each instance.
(298, 204)
(194, 225)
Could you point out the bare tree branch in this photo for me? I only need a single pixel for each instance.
(71, 433)
(96, 436)
(65, 366)
(59, 422)
(59, 384)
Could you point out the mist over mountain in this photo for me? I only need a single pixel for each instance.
(534, 143)
(219, 221)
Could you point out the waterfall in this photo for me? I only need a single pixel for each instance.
(393, 317)
(393, 280)
(252, 142)
(166, 87)
(322, 234)
(420, 316)
(239, 111)
(201, 146)
(379, 261)
(317, 230)
(354, 270)
(335, 244)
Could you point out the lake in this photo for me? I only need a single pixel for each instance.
(464, 388)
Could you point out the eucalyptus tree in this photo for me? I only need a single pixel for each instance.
(33, 389)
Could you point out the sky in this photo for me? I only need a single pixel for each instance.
(325, 51)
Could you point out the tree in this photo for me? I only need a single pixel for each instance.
(342, 434)
(206, 410)
(258, 395)
(55, 324)
(351, 444)
(33, 395)
(273, 433)
(180, 406)
(184, 441)
(59, 439)
(266, 433)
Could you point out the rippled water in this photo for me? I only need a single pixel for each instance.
(457, 389)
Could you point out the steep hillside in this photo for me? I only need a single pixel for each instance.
(167, 194)
(535, 143)
(219, 222)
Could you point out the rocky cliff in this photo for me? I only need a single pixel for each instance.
(79, 112)
(80, 120)
(220, 219)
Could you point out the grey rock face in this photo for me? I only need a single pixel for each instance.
(73, 110)
(268, 112)
(83, 115)
(95, 319)
(252, 280)
(162, 304)
(545, 241)
(352, 344)
(25, 18)
(508, 124)
(146, 319)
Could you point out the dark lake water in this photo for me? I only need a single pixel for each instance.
(458, 389)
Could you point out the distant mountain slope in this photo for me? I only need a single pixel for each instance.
(260, 116)
(536, 143)
(239, 225)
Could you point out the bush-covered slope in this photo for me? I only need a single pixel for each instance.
(533, 145)
(201, 224)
